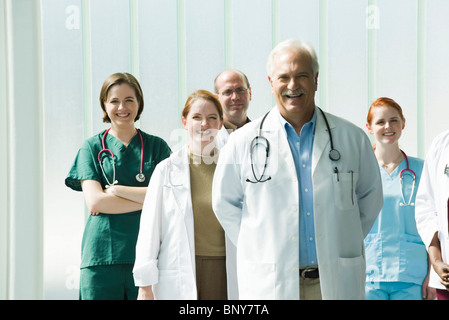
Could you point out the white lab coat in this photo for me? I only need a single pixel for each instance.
(222, 137)
(431, 212)
(165, 250)
(262, 218)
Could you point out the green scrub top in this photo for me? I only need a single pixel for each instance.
(111, 238)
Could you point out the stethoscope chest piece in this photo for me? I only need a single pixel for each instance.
(334, 155)
(140, 177)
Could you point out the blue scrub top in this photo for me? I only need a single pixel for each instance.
(394, 249)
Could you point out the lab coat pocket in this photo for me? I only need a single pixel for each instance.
(351, 278)
(257, 280)
(344, 186)
(168, 285)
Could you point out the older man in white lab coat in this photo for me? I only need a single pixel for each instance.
(297, 211)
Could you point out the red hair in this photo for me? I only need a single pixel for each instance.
(384, 102)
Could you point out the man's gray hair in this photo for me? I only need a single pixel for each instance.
(293, 44)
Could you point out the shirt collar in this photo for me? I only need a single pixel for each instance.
(229, 125)
(287, 125)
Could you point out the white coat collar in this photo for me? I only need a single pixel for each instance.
(321, 141)
(178, 179)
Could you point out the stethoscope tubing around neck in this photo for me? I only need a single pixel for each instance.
(140, 177)
(334, 154)
(401, 175)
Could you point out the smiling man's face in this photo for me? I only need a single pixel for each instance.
(293, 83)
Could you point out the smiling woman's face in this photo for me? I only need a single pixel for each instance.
(122, 105)
(202, 122)
(386, 125)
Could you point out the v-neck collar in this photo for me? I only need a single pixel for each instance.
(394, 173)
(111, 139)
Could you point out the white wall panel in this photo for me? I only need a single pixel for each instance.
(299, 19)
(159, 68)
(204, 40)
(64, 119)
(435, 109)
(347, 59)
(397, 56)
(110, 48)
(252, 41)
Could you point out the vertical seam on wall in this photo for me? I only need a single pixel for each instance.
(372, 59)
(8, 96)
(87, 69)
(134, 37)
(421, 77)
(87, 76)
(181, 33)
(275, 27)
(11, 146)
(323, 54)
(229, 61)
(134, 41)
(41, 126)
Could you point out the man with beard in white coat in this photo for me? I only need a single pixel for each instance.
(297, 191)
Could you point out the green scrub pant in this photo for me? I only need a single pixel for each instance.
(111, 282)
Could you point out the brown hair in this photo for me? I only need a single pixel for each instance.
(120, 78)
(204, 95)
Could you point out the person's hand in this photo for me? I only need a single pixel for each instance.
(428, 293)
(145, 293)
(442, 269)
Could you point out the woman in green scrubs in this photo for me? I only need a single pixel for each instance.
(113, 169)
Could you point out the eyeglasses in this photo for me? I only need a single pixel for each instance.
(238, 91)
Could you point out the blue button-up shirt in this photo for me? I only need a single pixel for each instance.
(301, 148)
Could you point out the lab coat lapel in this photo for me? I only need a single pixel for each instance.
(274, 132)
(321, 139)
(180, 180)
(180, 172)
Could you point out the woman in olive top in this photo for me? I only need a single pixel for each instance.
(113, 169)
(181, 251)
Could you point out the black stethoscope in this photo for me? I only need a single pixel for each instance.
(334, 154)
(140, 177)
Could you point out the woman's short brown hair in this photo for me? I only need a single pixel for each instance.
(120, 78)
